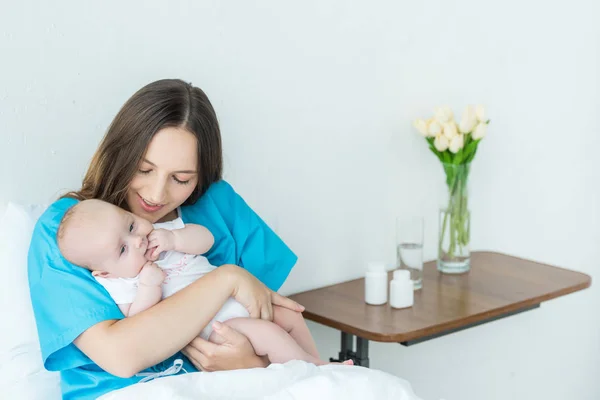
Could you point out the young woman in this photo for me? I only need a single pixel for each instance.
(162, 152)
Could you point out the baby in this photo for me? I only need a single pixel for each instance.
(120, 248)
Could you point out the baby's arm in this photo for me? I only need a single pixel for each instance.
(192, 239)
(149, 290)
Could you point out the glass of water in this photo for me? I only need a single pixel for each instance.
(409, 247)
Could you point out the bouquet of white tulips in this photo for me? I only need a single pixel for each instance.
(455, 144)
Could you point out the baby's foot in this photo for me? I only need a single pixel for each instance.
(347, 362)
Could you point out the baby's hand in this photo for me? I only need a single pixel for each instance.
(151, 275)
(160, 240)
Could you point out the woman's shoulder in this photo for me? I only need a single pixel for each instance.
(51, 218)
(219, 194)
(220, 189)
(220, 203)
(43, 247)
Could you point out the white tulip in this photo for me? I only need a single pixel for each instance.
(434, 128)
(457, 143)
(468, 121)
(441, 143)
(480, 131)
(443, 114)
(480, 113)
(421, 126)
(450, 130)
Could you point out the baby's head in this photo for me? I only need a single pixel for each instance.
(104, 238)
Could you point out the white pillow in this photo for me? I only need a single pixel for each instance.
(22, 374)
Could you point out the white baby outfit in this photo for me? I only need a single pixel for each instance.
(181, 270)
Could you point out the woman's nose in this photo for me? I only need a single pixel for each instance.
(157, 192)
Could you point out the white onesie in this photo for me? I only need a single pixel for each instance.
(181, 270)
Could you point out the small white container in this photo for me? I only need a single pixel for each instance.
(376, 283)
(401, 289)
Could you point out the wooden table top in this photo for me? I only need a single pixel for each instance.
(497, 285)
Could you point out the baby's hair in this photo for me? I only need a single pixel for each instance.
(64, 222)
(67, 221)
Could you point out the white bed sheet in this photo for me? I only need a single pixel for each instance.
(294, 380)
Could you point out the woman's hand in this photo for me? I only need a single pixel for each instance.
(255, 296)
(233, 352)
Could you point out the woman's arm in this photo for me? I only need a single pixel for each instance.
(125, 347)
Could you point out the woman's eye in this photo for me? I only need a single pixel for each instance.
(122, 250)
(131, 228)
(142, 171)
(181, 182)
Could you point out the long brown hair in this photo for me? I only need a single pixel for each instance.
(160, 104)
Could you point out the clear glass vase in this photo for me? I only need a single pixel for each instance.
(454, 254)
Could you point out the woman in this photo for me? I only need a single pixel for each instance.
(162, 153)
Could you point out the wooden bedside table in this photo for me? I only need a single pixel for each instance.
(497, 286)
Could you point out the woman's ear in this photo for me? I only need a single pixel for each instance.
(102, 274)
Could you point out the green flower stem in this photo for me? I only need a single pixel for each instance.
(457, 212)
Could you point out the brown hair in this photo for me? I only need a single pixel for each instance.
(160, 104)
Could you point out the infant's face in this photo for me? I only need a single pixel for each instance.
(117, 243)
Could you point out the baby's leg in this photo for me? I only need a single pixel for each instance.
(269, 339)
(293, 323)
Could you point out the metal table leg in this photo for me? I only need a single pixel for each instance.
(360, 356)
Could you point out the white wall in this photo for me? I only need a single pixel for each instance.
(315, 100)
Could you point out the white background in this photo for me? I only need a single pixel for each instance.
(315, 100)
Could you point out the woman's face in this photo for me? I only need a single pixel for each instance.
(166, 176)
